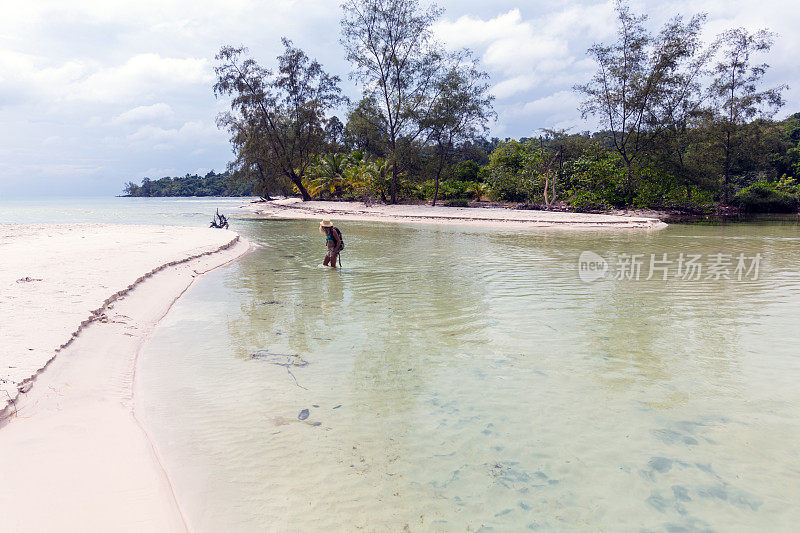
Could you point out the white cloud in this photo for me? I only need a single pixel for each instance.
(125, 85)
(141, 76)
(145, 113)
(188, 133)
(511, 86)
(525, 54)
(468, 30)
(557, 104)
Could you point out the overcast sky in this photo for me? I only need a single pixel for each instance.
(94, 93)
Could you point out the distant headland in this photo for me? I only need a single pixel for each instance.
(212, 184)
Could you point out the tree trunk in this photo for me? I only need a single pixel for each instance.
(299, 184)
(727, 174)
(393, 191)
(546, 174)
(560, 169)
(628, 182)
(438, 175)
(264, 190)
(549, 201)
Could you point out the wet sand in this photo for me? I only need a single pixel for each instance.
(77, 303)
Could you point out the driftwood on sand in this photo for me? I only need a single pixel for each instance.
(219, 221)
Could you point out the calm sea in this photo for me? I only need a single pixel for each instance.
(156, 211)
(461, 379)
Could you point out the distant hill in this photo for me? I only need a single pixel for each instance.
(212, 184)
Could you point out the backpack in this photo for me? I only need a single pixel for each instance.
(341, 239)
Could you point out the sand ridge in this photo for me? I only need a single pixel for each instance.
(73, 454)
(426, 214)
(58, 278)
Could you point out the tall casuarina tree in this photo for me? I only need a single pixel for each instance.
(284, 110)
(390, 45)
(735, 93)
(461, 111)
(638, 82)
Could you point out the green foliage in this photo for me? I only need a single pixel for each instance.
(327, 175)
(531, 177)
(211, 184)
(588, 201)
(353, 176)
(769, 197)
(596, 180)
(464, 171)
(478, 190)
(509, 154)
(368, 179)
(451, 189)
(503, 173)
(793, 157)
(506, 185)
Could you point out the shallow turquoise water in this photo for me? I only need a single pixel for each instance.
(460, 379)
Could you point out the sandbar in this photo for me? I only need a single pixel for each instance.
(510, 218)
(77, 303)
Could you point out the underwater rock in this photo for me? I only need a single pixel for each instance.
(279, 359)
(660, 464)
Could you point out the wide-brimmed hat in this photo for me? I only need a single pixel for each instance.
(326, 224)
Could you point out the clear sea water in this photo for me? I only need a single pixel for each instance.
(463, 379)
(156, 211)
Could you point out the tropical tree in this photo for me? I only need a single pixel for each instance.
(460, 112)
(334, 132)
(327, 175)
(735, 93)
(251, 164)
(367, 177)
(639, 81)
(285, 110)
(505, 171)
(391, 47)
(366, 127)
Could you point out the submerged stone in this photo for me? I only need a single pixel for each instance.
(660, 464)
(279, 359)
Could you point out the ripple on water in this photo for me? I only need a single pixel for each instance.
(469, 379)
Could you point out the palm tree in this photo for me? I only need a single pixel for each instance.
(327, 175)
(365, 177)
(479, 190)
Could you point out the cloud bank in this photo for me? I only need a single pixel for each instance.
(96, 93)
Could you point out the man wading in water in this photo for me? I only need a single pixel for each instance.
(333, 239)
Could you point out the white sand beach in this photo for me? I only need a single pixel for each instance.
(426, 214)
(77, 303)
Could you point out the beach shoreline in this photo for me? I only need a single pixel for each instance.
(498, 217)
(73, 453)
